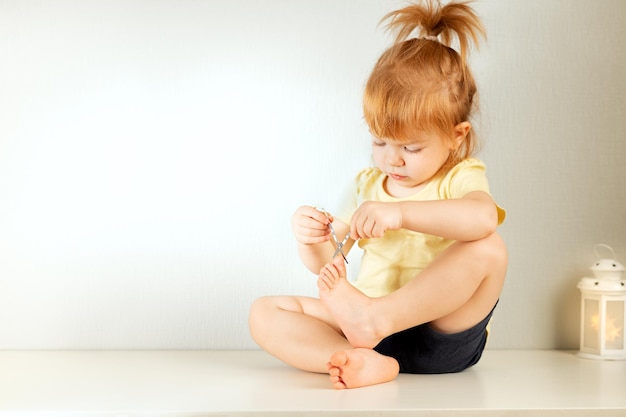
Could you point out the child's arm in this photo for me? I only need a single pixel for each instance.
(315, 245)
(472, 217)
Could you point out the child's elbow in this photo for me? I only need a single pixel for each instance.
(483, 218)
(489, 223)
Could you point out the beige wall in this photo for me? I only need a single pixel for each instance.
(152, 152)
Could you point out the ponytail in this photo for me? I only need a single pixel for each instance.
(453, 20)
(421, 83)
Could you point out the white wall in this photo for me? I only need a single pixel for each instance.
(152, 152)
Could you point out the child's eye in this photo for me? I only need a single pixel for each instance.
(410, 149)
(375, 143)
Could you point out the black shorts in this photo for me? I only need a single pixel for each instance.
(422, 350)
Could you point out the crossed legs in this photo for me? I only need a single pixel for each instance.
(455, 292)
(301, 332)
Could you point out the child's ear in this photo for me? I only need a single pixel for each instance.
(460, 133)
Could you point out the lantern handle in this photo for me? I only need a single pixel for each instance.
(595, 249)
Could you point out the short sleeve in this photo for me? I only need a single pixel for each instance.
(466, 177)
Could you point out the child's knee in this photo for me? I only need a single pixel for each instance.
(495, 250)
(258, 305)
(491, 252)
(259, 310)
(264, 307)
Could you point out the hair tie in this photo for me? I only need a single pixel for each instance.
(430, 38)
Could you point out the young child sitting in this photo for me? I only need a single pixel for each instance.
(433, 265)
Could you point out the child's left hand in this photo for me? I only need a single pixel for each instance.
(373, 218)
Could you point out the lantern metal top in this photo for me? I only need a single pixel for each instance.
(603, 286)
(605, 268)
(607, 275)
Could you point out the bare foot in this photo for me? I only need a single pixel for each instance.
(349, 306)
(361, 367)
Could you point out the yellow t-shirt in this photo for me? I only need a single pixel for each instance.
(391, 261)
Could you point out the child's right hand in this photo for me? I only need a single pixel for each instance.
(310, 226)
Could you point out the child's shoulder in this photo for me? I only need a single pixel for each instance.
(369, 175)
(470, 163)
(464, 167)
(369, 180)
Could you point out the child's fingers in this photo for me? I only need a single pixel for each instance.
(323, 216)
(310, 226)
(308, 235)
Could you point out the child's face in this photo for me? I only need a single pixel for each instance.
(409, 166)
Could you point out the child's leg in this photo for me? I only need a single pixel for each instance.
(297, 330)
(356, 367)
(455, 292)
(301, 332)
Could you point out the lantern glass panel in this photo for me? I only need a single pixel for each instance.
(592, 324)
(614, 325)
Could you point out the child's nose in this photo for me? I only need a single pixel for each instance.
(394, 158)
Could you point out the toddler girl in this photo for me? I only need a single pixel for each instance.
(433, 265)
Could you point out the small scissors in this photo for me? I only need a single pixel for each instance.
(338, 244)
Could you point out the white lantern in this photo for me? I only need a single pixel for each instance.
(603, 312)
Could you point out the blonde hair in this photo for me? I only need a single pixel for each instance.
(422, 84)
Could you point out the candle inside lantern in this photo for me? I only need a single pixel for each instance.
(613, 326)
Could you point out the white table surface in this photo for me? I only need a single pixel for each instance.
(231, 383)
